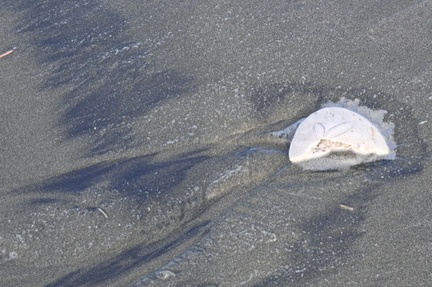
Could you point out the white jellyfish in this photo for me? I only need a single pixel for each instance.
(339, 136)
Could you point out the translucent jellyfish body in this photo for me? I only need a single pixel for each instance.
(341, 135)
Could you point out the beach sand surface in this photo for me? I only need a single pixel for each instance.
(136, 145)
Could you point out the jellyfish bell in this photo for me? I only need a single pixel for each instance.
(337, 137)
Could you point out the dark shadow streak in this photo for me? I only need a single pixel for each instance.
(105, 78)
(128, 260)
(128, 176)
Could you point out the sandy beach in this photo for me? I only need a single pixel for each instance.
(137, 149)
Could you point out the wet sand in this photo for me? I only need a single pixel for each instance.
(136, 149)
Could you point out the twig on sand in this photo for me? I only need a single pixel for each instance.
(103, 212)
(6, 53)
(346, 207)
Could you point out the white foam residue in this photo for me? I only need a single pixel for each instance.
(164, 274)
